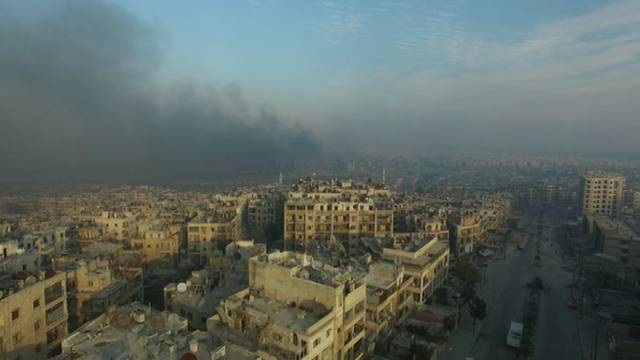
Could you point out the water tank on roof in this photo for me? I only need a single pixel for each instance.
(182, 287)
(139, 316)
(193, 345)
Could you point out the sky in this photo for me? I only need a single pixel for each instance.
(116, 86)
(402, 76)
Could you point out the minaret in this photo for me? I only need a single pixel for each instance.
(280, 179)
(384, 176)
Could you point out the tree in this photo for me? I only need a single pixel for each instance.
(467, 272)
(536, 284)
(478, 311)
(468, 293)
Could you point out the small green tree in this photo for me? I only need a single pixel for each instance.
(478, 311)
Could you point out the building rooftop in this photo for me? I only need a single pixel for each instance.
(137, 331)
(409, 242)
(305, 267)
(595, 173)
(200, 294)
(613, 227)
(13, 283)
(296, 317)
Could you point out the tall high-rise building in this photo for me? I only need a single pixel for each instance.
(602, 193)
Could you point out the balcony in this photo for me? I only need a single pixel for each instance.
(53, 292)
(56, 313)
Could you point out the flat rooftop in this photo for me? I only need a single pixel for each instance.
(305, 267)
(133, 330)
(613, 227)
(298, 318)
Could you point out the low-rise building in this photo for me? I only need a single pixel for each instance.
(93, 285)
(136, 331)
(615, 238)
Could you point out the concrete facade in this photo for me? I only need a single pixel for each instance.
(602, 193)
(425, 261)
(33, 315)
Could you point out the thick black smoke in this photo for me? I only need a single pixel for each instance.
(80, 101)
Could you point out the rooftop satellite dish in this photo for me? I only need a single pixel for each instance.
(182, 287)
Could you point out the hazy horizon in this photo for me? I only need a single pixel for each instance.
(146, 89)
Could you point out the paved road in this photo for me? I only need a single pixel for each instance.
(557, 333)
(505, 293)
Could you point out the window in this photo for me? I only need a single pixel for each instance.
(36, 303)
(15, 314)
(316, 342)
(36, 325)
(17, 338)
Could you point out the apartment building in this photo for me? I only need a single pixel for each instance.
(158, 242)
(425, 260)
(93, 285)
(467, 231)
(19, 254)
(33, 315)
(298, 308)
(494, 210)
(264, 211)
(117, 225)
(343, 210)
(211, 232)
(616, 239)
(602, 193)
(388, 298)
(307, 219)
(435, 225)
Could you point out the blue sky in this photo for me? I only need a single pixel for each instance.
(259, 40)
(404, 69)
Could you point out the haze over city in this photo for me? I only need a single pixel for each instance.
(142, 89)
(319, 180)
